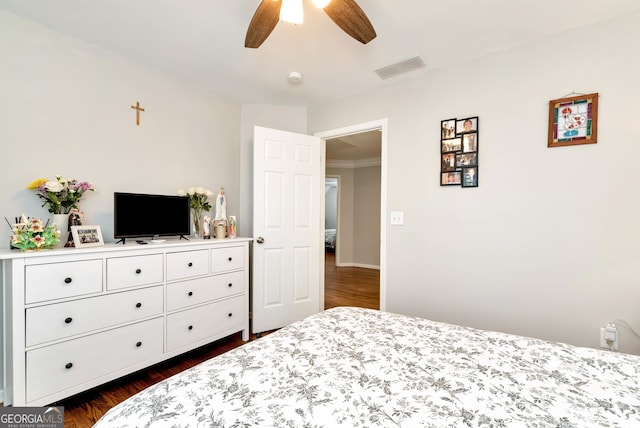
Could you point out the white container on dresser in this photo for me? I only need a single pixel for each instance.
(76, 318)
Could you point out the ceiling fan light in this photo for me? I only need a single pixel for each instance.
(321, 4)
(291, 11)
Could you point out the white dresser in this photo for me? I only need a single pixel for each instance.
(76, 318)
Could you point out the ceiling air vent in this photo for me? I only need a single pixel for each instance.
(400, 68)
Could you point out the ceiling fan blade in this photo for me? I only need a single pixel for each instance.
(352, 19)
(263, 22)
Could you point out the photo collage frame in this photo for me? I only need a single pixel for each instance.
(459, 143)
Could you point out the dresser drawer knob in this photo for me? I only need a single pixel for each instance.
(190, 264)
(68, 320)
(138, 305)
(190, 327)
(230, 314)
(67, 280)
(68, 365)
(190, 293)
(139, 344)
(230, 258)
(230, 285)
(138, 271)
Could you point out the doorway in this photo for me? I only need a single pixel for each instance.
(356, 157)
(331, 212)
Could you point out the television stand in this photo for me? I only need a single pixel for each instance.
(184, 237)
(123, 240)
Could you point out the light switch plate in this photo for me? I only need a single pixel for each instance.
(397, 217)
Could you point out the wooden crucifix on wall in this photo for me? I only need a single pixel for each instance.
(138, 109)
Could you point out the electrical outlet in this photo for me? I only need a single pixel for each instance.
(609, 334)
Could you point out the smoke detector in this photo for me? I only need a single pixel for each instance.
(295, 78)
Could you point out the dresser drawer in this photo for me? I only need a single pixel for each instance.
(195, 291)
(227, 258)
(125, 272)
(54, 368)
(66, 319)
(60, 280)
(187, 264)
(197, 324)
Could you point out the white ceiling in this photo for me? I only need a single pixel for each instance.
(202, 41)
(355, 147)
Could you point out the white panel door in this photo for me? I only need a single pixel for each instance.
(287, 247)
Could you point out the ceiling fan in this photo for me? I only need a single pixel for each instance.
(345, 13)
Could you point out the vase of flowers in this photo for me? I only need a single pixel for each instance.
(31, 234)
(60, 196)
(61, 221)
(198, 202)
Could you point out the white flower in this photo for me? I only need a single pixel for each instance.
(200, 190)
(53, 186)
(181, 192)
(191, 191)
(209, 193)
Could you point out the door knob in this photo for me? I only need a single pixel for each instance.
(260, 240)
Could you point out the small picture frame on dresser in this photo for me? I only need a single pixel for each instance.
(87, 236)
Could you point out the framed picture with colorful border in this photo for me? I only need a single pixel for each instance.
(573, 120)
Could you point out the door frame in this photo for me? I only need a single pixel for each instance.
(382, 125)
(338, 178)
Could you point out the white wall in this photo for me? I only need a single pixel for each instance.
(358, 242)
(65, 109)
(344, 239)
(548, 245)
(366, 224)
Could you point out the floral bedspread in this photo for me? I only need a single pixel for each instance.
(350, 367)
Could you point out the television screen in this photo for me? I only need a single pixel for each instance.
(141, 215)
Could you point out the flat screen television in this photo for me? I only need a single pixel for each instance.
(137, 215)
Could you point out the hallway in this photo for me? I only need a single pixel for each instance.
(350, 286)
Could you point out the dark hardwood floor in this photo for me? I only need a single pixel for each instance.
(344, 286)
(350, 286)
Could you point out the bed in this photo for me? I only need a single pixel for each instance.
(352, 367)
(330, 239)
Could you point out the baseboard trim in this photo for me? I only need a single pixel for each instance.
(359, 265)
